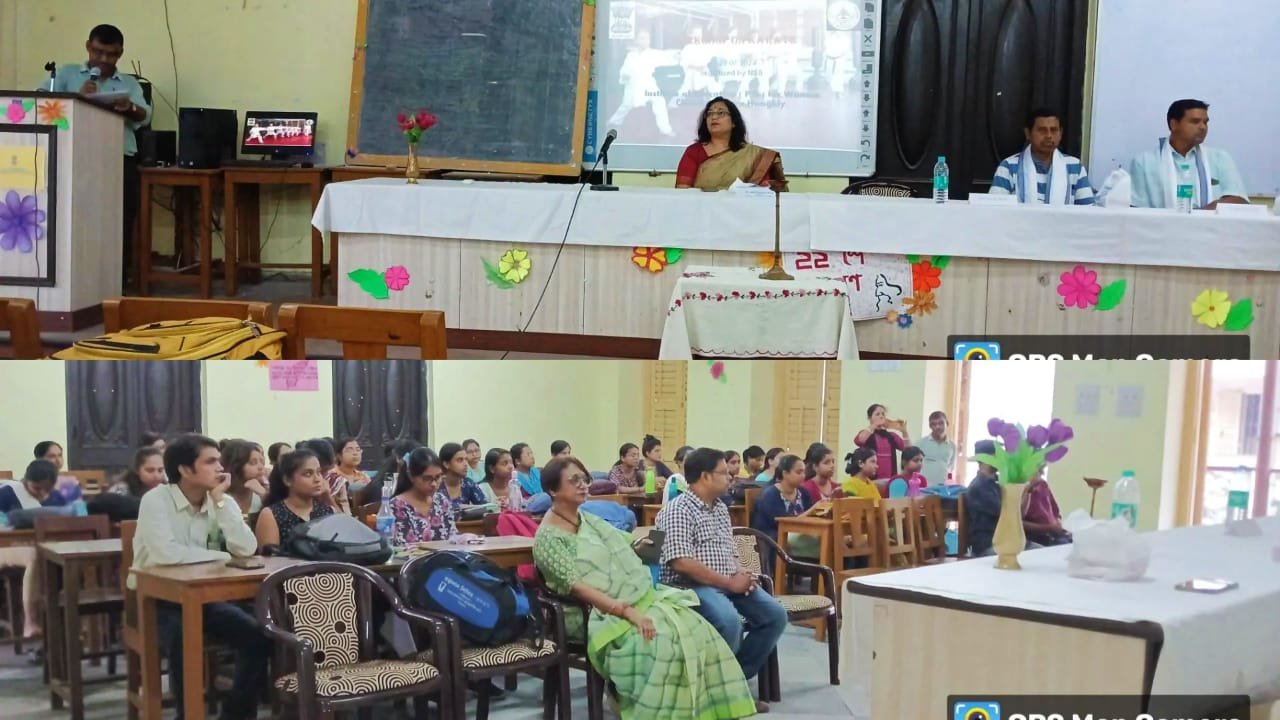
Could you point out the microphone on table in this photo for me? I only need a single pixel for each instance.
(604, 160)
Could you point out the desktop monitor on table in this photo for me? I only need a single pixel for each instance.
(279, 135)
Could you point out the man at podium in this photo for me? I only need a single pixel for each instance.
(98, 81)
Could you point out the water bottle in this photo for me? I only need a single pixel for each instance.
(1186, 188)
(79, 508)
(1125, 498)
(650, 482)
(941, 180)
(951, 478)
(1238, 495)
(386, 520)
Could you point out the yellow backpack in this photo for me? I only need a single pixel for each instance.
(210, 338)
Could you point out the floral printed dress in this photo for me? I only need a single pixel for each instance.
(414, 527)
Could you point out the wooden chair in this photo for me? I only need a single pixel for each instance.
(576, 646)
(471, 665)
(92, 482)
(130, 636)
(750, 495)
(896, 515)
(18, 317)
(11, 578)
(322, 615)
(97, 596)
(6, 474)
(365, 334)
(753, 546)
(859, 538)
(126, 313)
(878, 188)
(930, 530)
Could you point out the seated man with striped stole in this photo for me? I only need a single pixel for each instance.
(1041, 174)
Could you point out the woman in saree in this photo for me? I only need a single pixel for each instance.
(723, 156)
(665, 661)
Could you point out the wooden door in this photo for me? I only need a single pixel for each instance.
(379, 402)
(111, 404)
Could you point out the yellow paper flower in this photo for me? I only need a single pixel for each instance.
(514, 265)
(1210, 308)
(891, 316)
(922, 303)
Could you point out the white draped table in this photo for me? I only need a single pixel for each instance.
(1005, 261)
(911, 638)
(731, 312)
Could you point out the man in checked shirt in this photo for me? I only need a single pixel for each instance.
(699, 553)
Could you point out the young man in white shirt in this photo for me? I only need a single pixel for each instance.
(189, 520)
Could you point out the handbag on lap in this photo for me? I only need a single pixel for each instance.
(208, 338)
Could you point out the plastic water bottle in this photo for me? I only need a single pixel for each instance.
(1238, 495)
(941, 180)
(650, 482)
(386, 520)
(1126, 498)
(1186, 188)
(79, 508)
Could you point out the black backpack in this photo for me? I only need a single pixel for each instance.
(337, 538)
(490, 604)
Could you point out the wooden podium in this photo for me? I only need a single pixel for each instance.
(61, 199)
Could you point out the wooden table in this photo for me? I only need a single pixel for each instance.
(11, 538)
(241, 189)
(508, 552)
(66, 561)
(203, 180)
(821, 528)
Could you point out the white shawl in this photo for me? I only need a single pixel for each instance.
(1057, 187)
(1202, 190)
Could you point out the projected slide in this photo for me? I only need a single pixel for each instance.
(804, 74)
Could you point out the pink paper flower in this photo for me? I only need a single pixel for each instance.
(1079, 287)
(397, 278)
(15, 112)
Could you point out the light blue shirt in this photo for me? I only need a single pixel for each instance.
(72, 77)
(1149, 177)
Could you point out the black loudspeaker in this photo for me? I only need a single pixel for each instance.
(157, 148)
(206, 137)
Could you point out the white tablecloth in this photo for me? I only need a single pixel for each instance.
(691, 220)
(1213, 644)
(731, 312)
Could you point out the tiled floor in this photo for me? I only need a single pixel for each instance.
(805, 692)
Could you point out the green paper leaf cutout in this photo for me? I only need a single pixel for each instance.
(1240, 317)
(371, 281)
(493, 276)
(1111, 295)
(941, 262)
(674, 255)
(913, 259)
(62, 124)
(27, 105)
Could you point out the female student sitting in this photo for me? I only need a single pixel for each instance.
(733, 461)
(33, 491)
(457, 488)
(475, 468)
(422, 512)
(676, 484)
(347, 473)
(753, 462)
(152, 440)
(661, 656)
(243, 460)
(784, 498)
(561, 448)
(298, 494)
(652, 449)
(886, 437)
(861, 468)
(335, 486)
(626, 473)
(499, 481)
(529, 477)
(913, 482)
(820, 474)
(1041, 518)
(146, 472)
(770, 465)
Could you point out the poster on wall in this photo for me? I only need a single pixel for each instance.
(877, 284)
(28, 203)
(804, 75)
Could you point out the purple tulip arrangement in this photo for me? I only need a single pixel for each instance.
(1019, 454)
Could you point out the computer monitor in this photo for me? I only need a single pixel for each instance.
(278, 134)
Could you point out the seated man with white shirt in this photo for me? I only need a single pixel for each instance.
(190, 520)
(1212, 173)
(1041, 174)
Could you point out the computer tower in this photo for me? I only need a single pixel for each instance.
(206, 137)
(157, 148)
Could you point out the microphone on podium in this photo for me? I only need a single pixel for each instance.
(604, 160)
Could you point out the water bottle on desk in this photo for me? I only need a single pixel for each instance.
(1126, 498)
(941, 180)
(1186, 188)
(650, 482)
(386, 520)
(1238, 495)
(79, 508)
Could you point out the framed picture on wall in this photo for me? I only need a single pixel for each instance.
(28, 204)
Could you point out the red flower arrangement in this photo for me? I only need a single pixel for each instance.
(414, 125)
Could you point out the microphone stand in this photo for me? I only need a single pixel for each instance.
(52, 69)
(777, 272)
(605, 186)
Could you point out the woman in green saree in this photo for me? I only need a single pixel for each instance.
(666, 662)
(723, 156)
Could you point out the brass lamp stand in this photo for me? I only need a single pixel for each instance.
(777, 272)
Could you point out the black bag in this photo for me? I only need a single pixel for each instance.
(114, 505)
(25, 518)
(337, 538)
(490, 604)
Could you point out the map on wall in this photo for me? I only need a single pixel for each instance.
(28, 202)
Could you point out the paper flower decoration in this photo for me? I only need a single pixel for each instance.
(1017, 458)
(891, 316)
(925, 276)
(717, 371)
(397, 277)
(379, 284)
(16, 113)
(1213, 308)
(20, 222)
(414, 125)
(651, 259)
(52, 112)
(904, 321)
(515, 265)
(674, 255)
(922, 303)
(1080, 288)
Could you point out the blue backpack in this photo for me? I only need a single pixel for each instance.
(489, 603)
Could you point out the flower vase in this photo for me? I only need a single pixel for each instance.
(411, 172)
(1010, 538)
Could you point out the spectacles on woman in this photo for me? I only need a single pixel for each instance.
(578, 479)
(717, 114)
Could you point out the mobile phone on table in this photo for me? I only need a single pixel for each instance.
(246, 563)
(1210, 586)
